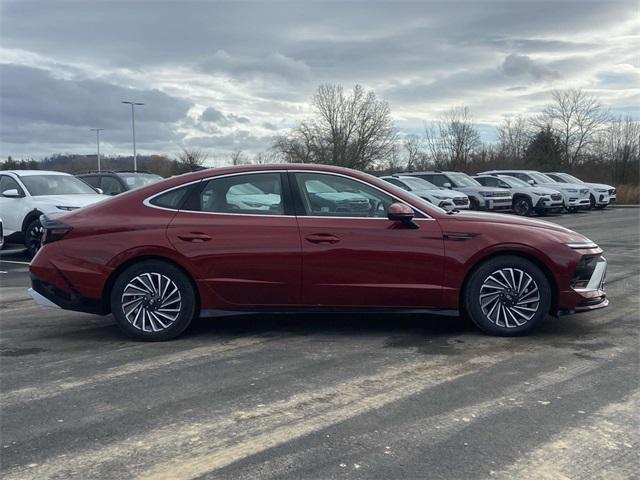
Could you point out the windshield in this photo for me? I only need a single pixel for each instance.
(463, 180)
(540, 178)
(514, 182)
(136, 180)
(557, 178)
(418, 184)
(38, 185)
(571, 178)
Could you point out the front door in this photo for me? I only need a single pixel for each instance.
(354, 256)
(242, 240)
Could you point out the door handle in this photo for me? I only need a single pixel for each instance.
(322, 238)
(195, 237)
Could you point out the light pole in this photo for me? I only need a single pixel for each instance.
(97, 130)
(133, 127)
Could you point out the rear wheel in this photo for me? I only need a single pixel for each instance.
(33, 237)
(153, 301)
(507, 296)
(522, 206)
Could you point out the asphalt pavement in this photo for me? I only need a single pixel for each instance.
(327, 396)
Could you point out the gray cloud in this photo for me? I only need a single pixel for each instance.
(515, 65)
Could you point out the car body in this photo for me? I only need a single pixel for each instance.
(480, 198)
(575, 196)
(526, 198)
(442, 197)
(114, 183)
(27, 194)
(601, 194)
(179, 249)
(1, 234)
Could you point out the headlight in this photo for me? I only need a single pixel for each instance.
(68, 209)
(582, 245)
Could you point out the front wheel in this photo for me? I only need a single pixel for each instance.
(507, 296)
(522, 206)
(153, 301)
(33, 237)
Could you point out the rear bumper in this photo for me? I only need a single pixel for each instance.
(591, 297)
(49, 295)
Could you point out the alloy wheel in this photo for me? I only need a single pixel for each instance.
(509, 297)
(34, 238)
(521, 207)
(151, 302)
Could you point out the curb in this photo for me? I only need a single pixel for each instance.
(624, 206)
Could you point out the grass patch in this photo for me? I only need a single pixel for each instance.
(628, 194)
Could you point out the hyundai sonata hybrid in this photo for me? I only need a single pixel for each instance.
(306, 237)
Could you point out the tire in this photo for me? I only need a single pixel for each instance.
(473, 204)
(498, 313)
(147, 319)
(592, 202)
(572, 209)
(522, 206)
(33, 237)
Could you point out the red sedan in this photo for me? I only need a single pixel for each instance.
(299, 237)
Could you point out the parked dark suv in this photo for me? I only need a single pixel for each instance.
(113, 183)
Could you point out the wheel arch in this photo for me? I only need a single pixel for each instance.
(108, 286)
(30, 217)
(514, 253)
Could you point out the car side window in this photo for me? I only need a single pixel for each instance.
(111, 186)
(335, 196)
(490, 182)
(398, 183)
(92, 180)
(437, 180)
(8, 183)
(251, 194)
(171, 199)
(522, 176)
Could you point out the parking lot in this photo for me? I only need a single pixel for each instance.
(327, 396)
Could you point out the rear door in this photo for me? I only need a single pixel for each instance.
(354, 256)
(241, 235)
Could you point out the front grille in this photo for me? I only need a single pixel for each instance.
(556, 196)
(461, 201)
(502, 194)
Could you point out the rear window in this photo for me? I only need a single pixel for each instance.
(172, 199)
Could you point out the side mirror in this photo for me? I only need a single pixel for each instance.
(99, 190)
(447, 185)
(531, 182)
(399, 212)
(12, 193)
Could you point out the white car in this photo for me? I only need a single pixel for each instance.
(575, 196)
(446, 199)
(600, 196)
(27, 194)
(1, 234)
(526, 198)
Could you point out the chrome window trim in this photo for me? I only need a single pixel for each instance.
(146, 201)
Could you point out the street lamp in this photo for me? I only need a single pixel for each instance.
(97, 130)
(133, 127)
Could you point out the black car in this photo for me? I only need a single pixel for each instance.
(113, 183)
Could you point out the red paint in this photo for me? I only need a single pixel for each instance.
(254, 261)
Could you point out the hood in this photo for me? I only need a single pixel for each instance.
(563, 186)
(483, 189)
(50, 202)
(442, 193)
(510, 220)
(545, 190)
(600, 186)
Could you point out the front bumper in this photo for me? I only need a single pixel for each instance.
(578, 203)
(546, 203)
(590, 297)
(499, 203)
(602, 198)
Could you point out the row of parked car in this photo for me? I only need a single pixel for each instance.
(27, 194)
(522, 192)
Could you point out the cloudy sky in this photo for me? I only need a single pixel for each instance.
(222, 76)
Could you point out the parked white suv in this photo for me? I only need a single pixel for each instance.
(575, 196)
(27, 194)
(481, 198)
(600, 195)
(447, 199)
(526, 198)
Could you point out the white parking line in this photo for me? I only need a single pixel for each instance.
(14, 261)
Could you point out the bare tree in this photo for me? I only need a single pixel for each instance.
(575, 117)
(352, 130)
(513, 137)
(452, 139)
(416, 158)
(238, 157)
(192, 158)
(618, 144)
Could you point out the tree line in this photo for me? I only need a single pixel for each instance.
(574, 132)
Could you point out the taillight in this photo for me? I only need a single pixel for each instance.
(54, 229)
